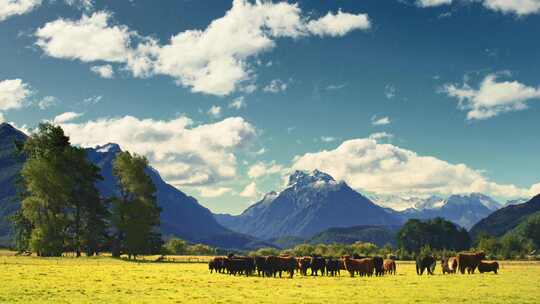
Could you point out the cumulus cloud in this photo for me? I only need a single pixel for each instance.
(67, 116)
(92, 38)
(104, 71)
(47, 102)
(211, 192)
(9, 8)
(381, 136)
(13, 93)
(250, 191)
(367, 165)
(238, 103)
(492, 98)
(275, 86)
(328, 138)
(214, 111)
(535, 190)
(184, 153)
(214, 61)
(432, 3)
(517, 7)
(338, 24)
(260, 169)
(380, 121)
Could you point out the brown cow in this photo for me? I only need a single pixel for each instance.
(488, 267)
(281, 264)
(364, 267)
(304, 263)
(449, 265)
(389, 266)
(469, 261)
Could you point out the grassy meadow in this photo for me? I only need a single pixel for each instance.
(102, 279)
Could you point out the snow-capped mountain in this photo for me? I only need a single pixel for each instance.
(311, 203)
(464, 210)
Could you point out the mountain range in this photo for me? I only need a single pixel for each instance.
(311, 202)
(181, 215)
(505, 219)
(313, 207)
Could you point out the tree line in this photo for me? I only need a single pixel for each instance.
(61, 207)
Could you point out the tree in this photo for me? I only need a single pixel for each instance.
(438, 234)
(135, 214)
(61, 208)
(176, 246)
(531, 229)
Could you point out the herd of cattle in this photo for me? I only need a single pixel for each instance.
(272, 266)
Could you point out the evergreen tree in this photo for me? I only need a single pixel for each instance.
(135, 214)
(60, 202)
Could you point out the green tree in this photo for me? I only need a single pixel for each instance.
(438, 234)
(135, 214)
(60, 202)
(531, 230)
(176, 246)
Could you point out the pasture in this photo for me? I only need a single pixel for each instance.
(102, 279)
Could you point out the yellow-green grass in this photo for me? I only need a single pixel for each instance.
(106, 280)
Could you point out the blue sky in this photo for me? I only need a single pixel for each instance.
(394, 97)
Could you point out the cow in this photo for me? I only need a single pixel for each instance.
(317, 264)
(488, 267)
(240, 265)
(378, 264)
(449, 265)
(281, 264)
(424, 263)
(260, 266)
(332, 267)
(304, 263)
(216, 264)
(469, 261)
(389, 266)
(363, 267)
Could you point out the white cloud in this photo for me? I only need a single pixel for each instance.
(492, 97)
(214, 111)
(367, 165)
(517, 7)
(432, 3)
(390, 91)
(214, 61)
(13, 93)
(381, 136)
(9, 8)
(104, 71)
(275, 86)
(66, 117)
(91, 38)
(328, 138)
(82, 4)
(338, 24)
(2, 119)
(211, 192)
(380, 121)
(250, 191)
(183, 153)
(47, 102)
(535, 190)
(333, 87)
(238, 103)
(260, 169)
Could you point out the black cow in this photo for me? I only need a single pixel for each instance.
(425, 263)
(317, 264)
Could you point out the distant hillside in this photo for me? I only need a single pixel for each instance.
(311, 203)
(10, 165)
(378, 235)
(181, 215)
(506, 219)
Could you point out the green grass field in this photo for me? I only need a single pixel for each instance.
(94, 280)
